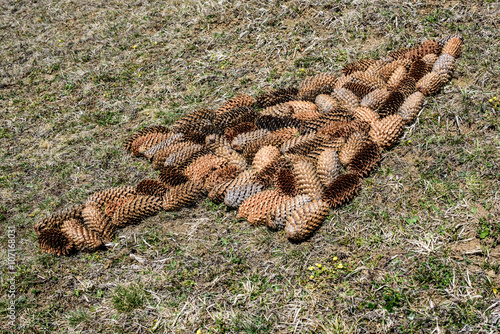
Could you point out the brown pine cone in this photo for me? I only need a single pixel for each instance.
(418, 69)
(262, 208)
(375, 99)
(376, 67)
(183, 195)
(304, 221)
(387, 71)
(103, 197)
(411, 107)
(337, 115)
(346, 98)
(328, 166)
(334, 143)
(55, 241)
(331, 127)
(145, 142)
(218, 192)
(82, 238)
(185, 123)
(406, 87)
(326, 103)
(221, 175)
(277, 96)
(311, 87)
(235, 102)
(367, 79)
(215, 141)
(251, 202)
(360, 65)
(289, 108)
(386, 131)
(365, 114)
(429, 61)
(442, 42)
(199, 169)
(365, 159)
(171, 176)
(243, 139)
(359, 89)
(277, 218)
(307, 180)
(306, 115)
(423, 49)
(235, 116)
(231, 156)
(55, 220)
(183, 156)
(111, 207)
(151, 188)
(351, 147)
(343, 189)
(265, 157)
(397, 77)
(235, 195)
(152, 129)
(391, 104)
(444, 66)
(453, 47)
(431, 83)
(137, 209)
(97, 221)
(171, 139)
(285, 182)
(231, 133)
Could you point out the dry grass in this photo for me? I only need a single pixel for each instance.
(418, 246)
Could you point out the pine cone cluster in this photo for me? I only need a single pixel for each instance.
(284, 158)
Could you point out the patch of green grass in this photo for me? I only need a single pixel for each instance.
(127, 299)
(433, 272)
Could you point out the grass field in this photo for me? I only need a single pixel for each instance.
(416, 252)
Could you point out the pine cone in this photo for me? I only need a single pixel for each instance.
(235, 116)
(185, 123)
(262, 209)
(343, 189)
(411, 107)
(235, 102)
(183, 156)
(392, 103)
(152, 129)
(276, 97)
(453, 47)
(351, 147)
(431, 83)
(331, 127)
(365, 160)
(246, 138)
(375, 68)
(359, 89)
(306, 115)
(215, 141)
(251, 202)
(232, 132)
(367, 79)
(442, 42)
(407, 86)
(171, 139)
(111, 207)
(235, 195)
(289, 108)
(151, 188)
(185, 194)
(429, 61)
(277, 218)
(97, 221)
(375, 99)
(418, 69)
(328, 166)
(423, 49)
(304, 221)
(360, 65)
(171, 176)
(285, 182)
(231, 156)
(199, 169)
(145, 142)
(55, 241)
(273, 123)
(218, 193)
(55, 221)
(137, 209)
(265, 157)
(444, 66)
(346, 98)
(82, 238)
(326, 103)
(307, 180)
(386, 131)
(365, 114)
(221, 175)
(387, 71)
(103, 197)
(336, 115)
(311, 87)
(397, 77)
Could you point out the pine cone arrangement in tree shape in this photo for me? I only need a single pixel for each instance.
(285, 182)
(235, 116)
(325, 103)
(185, 194)
(453, 47)
(183, 155)
(365, 114)
(411, 107)
(235, 195)
(261, 210)
(360, 65)
(200, 168)
(346, 98)
(273, 123)
(221, 175)
(243, 139)
(171, 138)
(231, 156)
(151, 188)
(97, 221)
(103, 197)
(311, 87)
(418, 69)
(82, 238)
(265, 157)
(235, 102)
(375, 99)
(136, 210)
(351, 147)
(304, 221)
(232, 132)
(386, 131)
(328, 167)
(276, 96)
(307, 179)
(276, 219)
(444, 66)
(54, 241)
(431, 83)
(365, 159)
(152, 129)
(172, 176)
(185, 123)
(342, 190)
